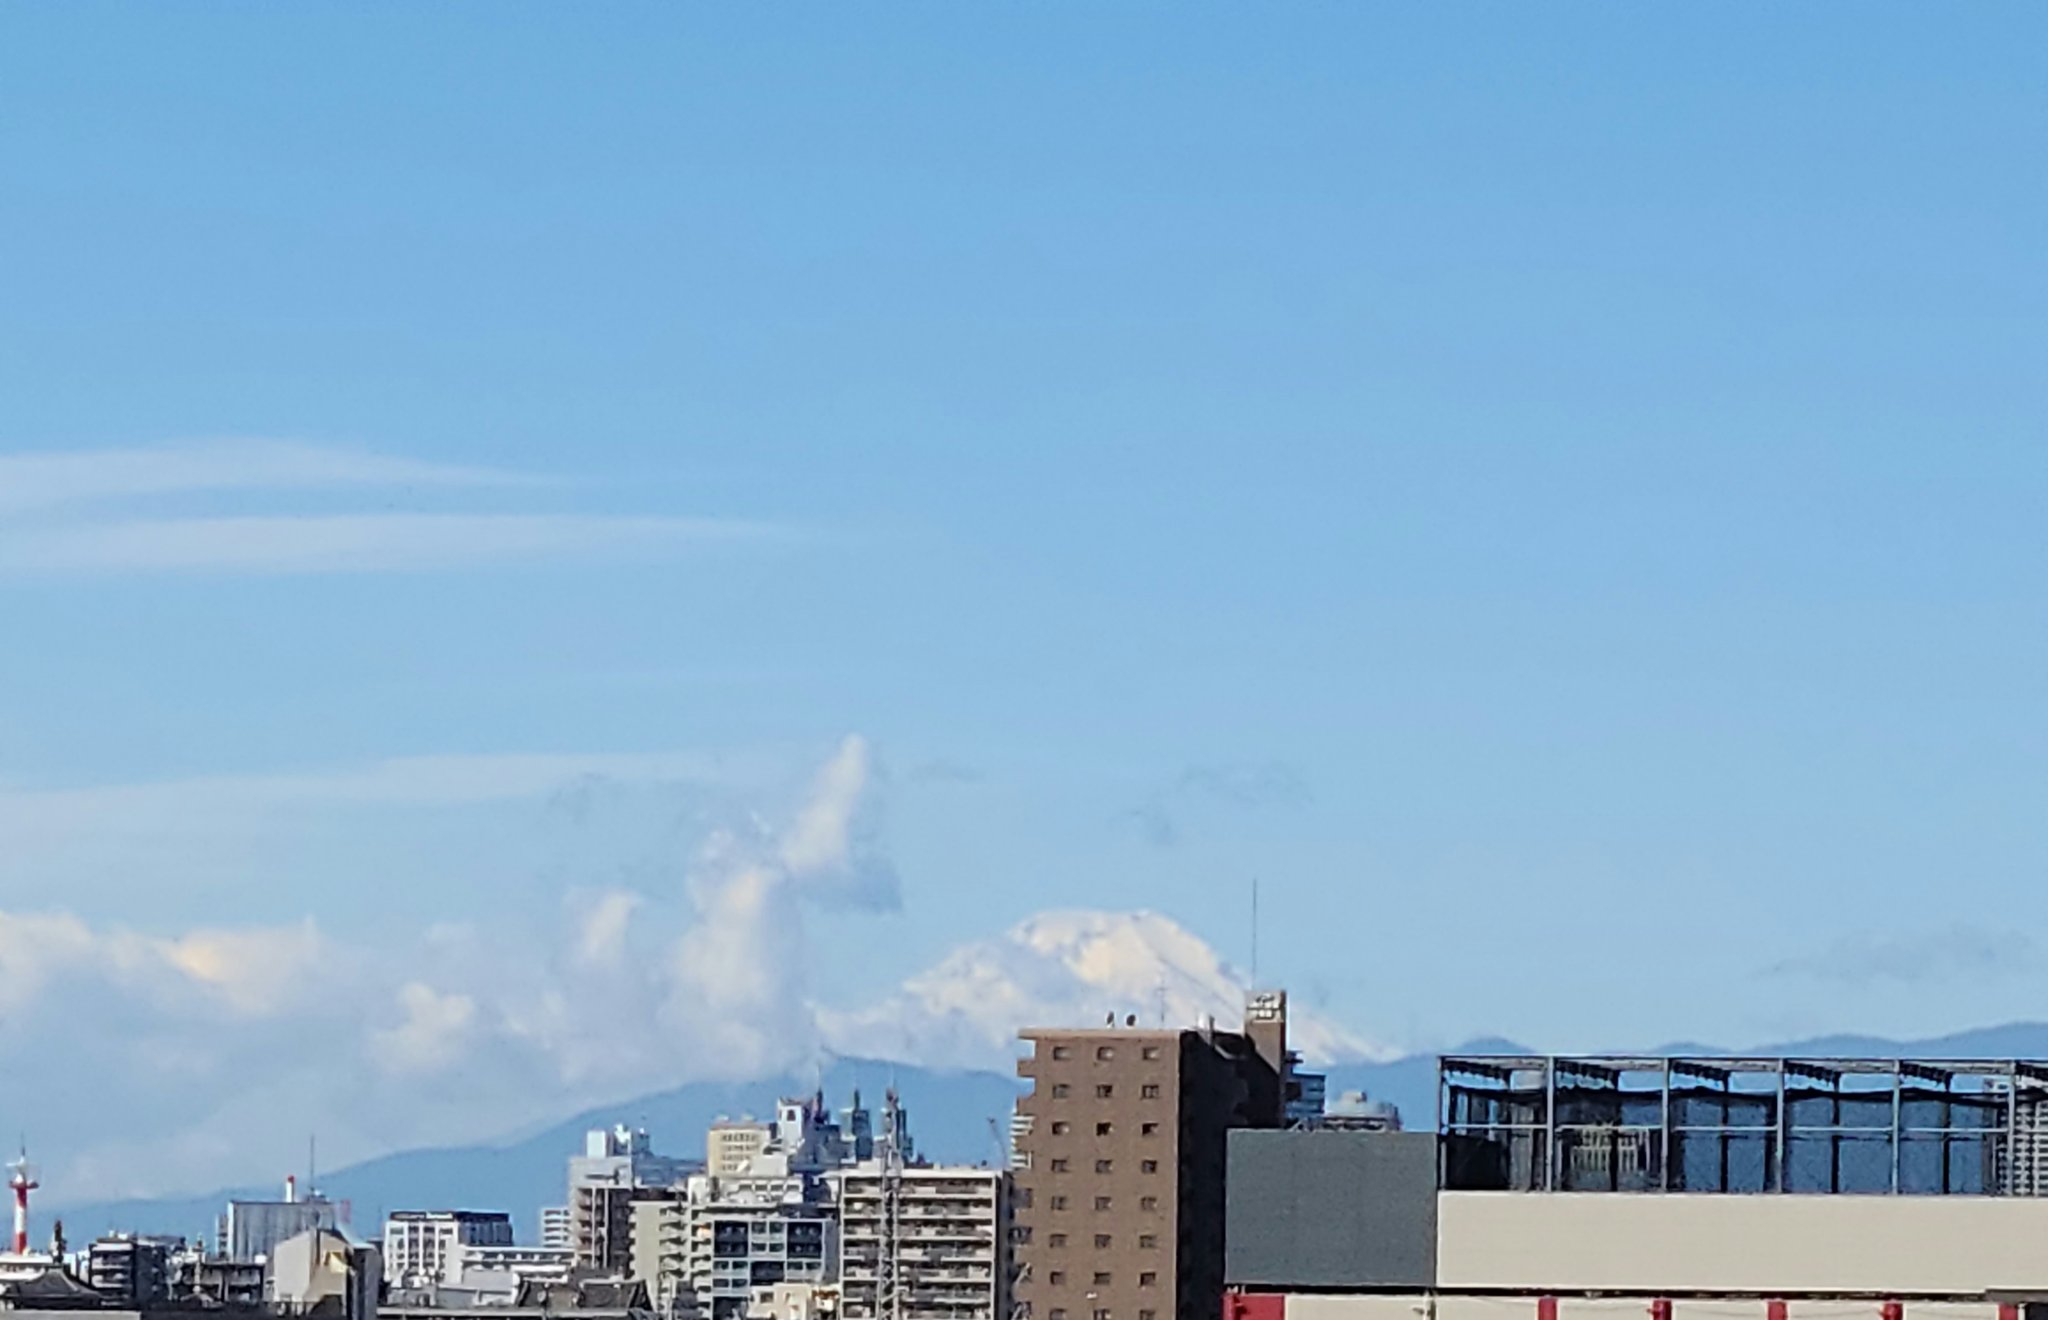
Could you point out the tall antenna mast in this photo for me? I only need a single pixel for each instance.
(890, 1283)
(1255, 932)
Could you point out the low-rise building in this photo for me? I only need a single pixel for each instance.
(419, 1243)
(130, 1270)
(1678, 1188)
(324, 1271)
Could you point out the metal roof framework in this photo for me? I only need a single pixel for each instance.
(1696, 1123)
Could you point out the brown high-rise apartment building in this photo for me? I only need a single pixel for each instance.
(1120, 1150)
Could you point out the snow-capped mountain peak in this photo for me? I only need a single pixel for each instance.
(1067, 968)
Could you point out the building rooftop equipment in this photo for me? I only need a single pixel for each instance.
(1650, 1123)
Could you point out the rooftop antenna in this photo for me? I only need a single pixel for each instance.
(312, 1164)
(1255, 932)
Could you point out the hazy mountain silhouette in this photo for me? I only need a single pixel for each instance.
(951, 1113)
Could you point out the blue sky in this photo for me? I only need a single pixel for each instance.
(1554, 491)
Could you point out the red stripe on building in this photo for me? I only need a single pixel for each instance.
(1254, 1306)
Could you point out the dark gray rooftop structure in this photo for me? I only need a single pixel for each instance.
(1971, 1127)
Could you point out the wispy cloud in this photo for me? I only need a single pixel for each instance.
(1924, 957)
(1245, 786)
(59, 480)
(354, 543)
(1264, 784)
(412, 781)
(75, 514)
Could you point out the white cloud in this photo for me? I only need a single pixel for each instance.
(601, 939)
(738, 981)
(246, 1037)
(349, 543)
(57, 480)
(257, 972)
(432, 1031)
(248, 972)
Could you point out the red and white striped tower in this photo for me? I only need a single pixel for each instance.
(22, 1178)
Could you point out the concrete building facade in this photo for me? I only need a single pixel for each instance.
(618, 1166)
(952, 1235)
(251, 1230)
(131, 1270)
(704, 1252)
(1681, 1189)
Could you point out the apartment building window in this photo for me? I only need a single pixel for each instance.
(1102, 1242)
(1021, 1236)
(1148, 1315)
(1059, 1090)
(1060, 1129)
(1058, 1278)
(1150, 1052)
(1149, 1166)
(1104, 1166)
(1056, 1240)
(1104, 1129)
(1148, 1279)
(1101, 1313)
(1148, 1129)
(1148, 1203)
(1105, 1052)
(1059, 1202)
(1060, 1051)
(1057, 1313)
(1059, 1166)
(1104, 1091)
(1101, 1278)
(1149, 1091)
(1149, 1241)
(1102, 1203)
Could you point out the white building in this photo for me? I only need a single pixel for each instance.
(418, 1244)
(794, 1301)
(617, 1167)
(952, 1236)
(555, 1230)
(491, 1274)
(706, 1252)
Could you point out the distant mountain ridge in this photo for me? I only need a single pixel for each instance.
(956, 1117)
